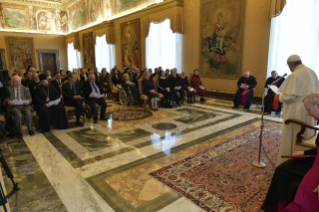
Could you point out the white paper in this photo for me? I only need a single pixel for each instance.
(19, 102)
(98, 95)
(191, 89)
(57, 101)
(274, 88)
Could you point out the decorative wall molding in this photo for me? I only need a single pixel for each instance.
(38, 3)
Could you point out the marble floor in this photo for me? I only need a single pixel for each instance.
(106, 166)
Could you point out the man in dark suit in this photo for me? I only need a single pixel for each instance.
(91, 90)
(19, 92)
(72, 97)
(90, 71)
(176, 86)
(57, 82)
(83, 76)
(32, 86)
(27, 80)
(104, 80)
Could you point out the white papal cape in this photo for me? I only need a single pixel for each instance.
(302, 82)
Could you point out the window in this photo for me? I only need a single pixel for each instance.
(74, 58)
(163, 47)
(295, 31)
(104, 54)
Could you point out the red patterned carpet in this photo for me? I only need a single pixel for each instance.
(222, 178)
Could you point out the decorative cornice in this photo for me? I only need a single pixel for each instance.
(163, 6)
(37, 3)
(103, 25)
(72, 35)
(68, 3)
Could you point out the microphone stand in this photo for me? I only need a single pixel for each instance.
(258, 163)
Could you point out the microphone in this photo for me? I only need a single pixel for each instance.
(279, 79)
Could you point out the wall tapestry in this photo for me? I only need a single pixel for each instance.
(14, 17)
(88, 51)
(131, 43)
(20, 52)
(221, 38)
(77, 16)
(3, 64)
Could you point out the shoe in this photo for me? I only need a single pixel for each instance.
(19, 135)
(79, 123)
(202, 100)
(103, 119)
(89, 115)
(235, 107)
(95, 121)
(246, 109)
(31, 133)
(178, 104)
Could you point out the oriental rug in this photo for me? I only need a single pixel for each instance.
(222, 178)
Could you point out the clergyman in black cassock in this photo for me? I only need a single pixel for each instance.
(71, 92)
(90, 89)
(32, 86)
(269, 99)
(49, 115)
(245, 85)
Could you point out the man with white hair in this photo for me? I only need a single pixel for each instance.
(19, 92)
(302, 82)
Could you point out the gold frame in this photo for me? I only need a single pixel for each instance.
(240, 57)
(16, 7)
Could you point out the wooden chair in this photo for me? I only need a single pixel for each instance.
(301, 143)
(114, 92)
(70, 110)
(143, 97)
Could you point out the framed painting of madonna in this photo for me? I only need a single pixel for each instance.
(221, 38)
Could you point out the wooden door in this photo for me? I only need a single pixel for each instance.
(49, 62)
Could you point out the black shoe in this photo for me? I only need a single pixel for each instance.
(89, 115)
(31, 132)
(19, 135)
(103, 119)
(79, 123)
(178, 104)
(203, 100)
(95, 121)
(235, 107)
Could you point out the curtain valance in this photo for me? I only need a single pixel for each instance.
(276, 7)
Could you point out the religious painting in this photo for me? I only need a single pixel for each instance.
(131, 43)
(94, 10)
(124, 5)
(15, 17)
(20, 52)
(77, 16)
(221, 38)
(3, 63)
(45, 21)
(63, 22)
(88, 51)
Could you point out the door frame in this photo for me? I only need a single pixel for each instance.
(50, 51)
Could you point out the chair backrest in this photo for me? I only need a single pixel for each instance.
(140, 85)
(155, 81)
(60, 86)
(111, 82)
(190, 78)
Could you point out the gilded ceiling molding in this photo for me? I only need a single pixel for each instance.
(68, 3)
(73, 38)
(38, 3)
(160, 12)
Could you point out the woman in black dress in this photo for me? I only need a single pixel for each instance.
(149, 89)
(187, 87)
(116, 80)
(164, 88)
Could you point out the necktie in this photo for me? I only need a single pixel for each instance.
(18, 94)
(96, 91)
(73, 88)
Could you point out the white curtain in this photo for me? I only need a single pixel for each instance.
(163, 47)
(104, 54)
(74, 58)
(295, 31)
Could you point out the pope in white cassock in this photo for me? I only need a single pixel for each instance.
(302, 82)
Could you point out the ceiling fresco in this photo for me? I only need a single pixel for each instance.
(61, 16)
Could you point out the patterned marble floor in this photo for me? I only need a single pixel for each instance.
(106, 166)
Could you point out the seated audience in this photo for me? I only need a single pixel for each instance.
(126, 71)
(4, 94)
(57, 81)
(156, 71)
(49, 114)
(167, 72)
(71, 92)
(149, 90)
(189, 90)
(67, 76)
(288, 176)
(130, 88)
(245, 92)
(90, 71)
(116, 80)
(83, 76)
(196, 83)
(104, 79)
(136, 75)
(271, 100)
(48, 73)
(164, 88)
(176, 87)
(32, 86)
(91, 88)
(27, 80)
(62, 73)
(19, 92)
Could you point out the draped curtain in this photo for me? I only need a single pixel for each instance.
(74, 58)
(276, 7)
(295, 31)
(163, 47)
(104, 54)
